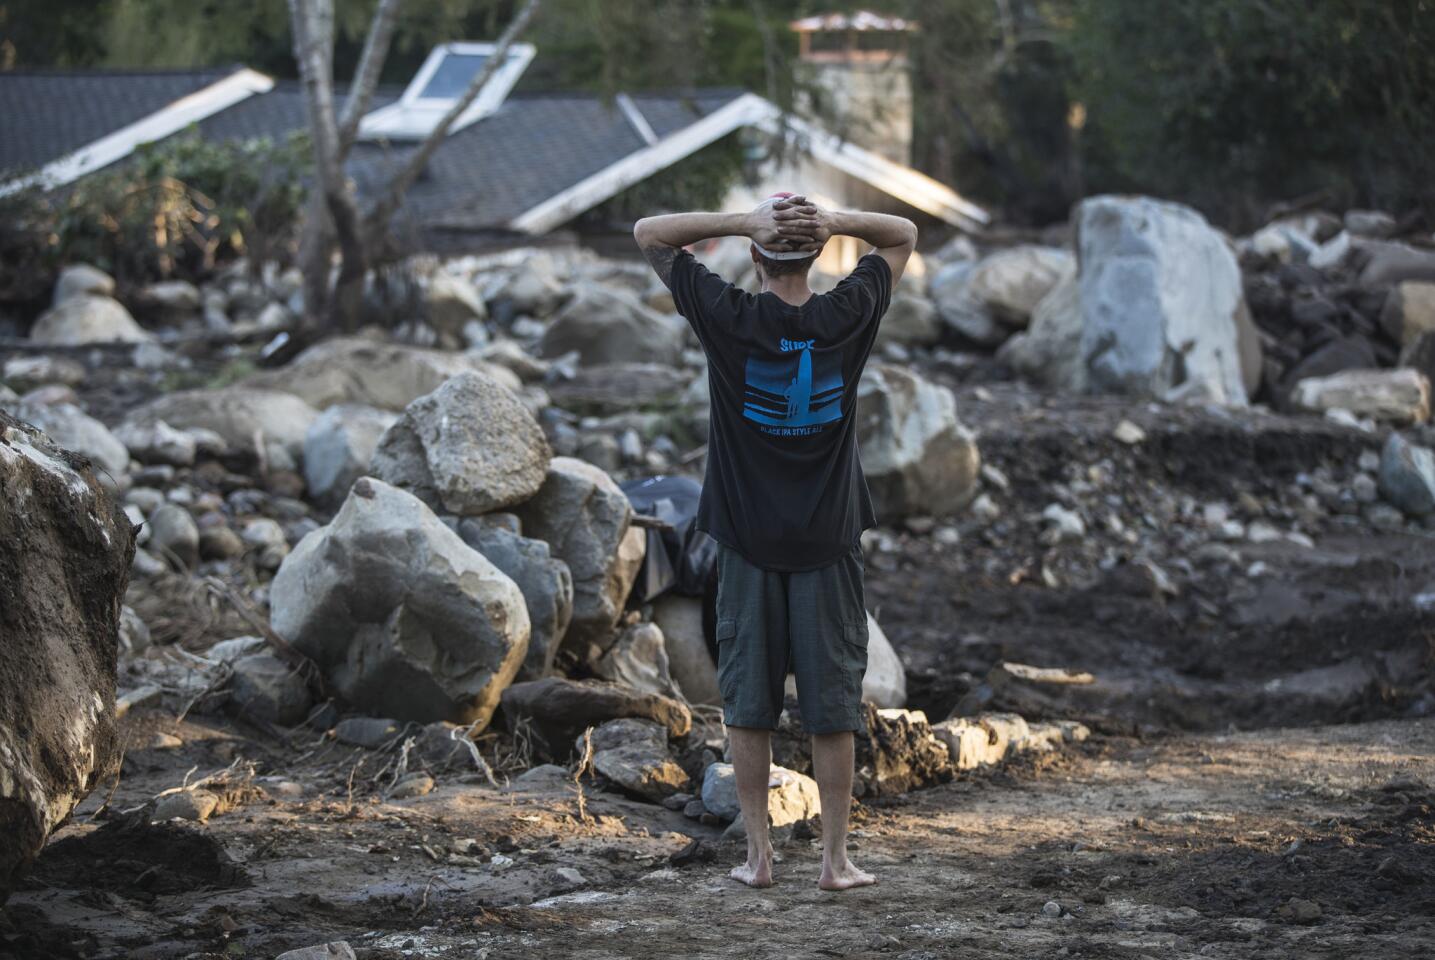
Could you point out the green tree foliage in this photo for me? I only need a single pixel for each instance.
(1230, 104)
(176, 209)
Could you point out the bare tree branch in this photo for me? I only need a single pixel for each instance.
(382, 212)
(366, 77)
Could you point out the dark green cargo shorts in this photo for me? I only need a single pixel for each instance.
(811, 623)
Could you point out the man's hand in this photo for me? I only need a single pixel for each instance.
(802, 224)
(774, 227)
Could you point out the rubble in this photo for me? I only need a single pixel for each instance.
(1394, 396)
(554, 710)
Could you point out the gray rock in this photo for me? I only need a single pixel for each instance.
(1011, 282)
(638, 659)
(791, 796)
(609, 325)
(87, 318)
(334, 950)
(910, 320)
(633, 754)
(220, 543)
(414, 785)
(134, 633)
(79, 279)
(960, 310)
(265, 688)
(1389, 263)
(1160, 299)
(339, 447)
(227, 651)
(194, 805)
(452, 303)
(586, 520)
(172, 298)
(238, 415)
(885, 681)
(174, 535)
(26, 373)
(68, 551)
(681, 621)
(404, 618)
(1399, 396)
(1369, 223)
(73, 429)
(918, 458)
(384, 375)
(546, 583)
(1049, 351)
(1407, 475)
(468, 448)
(157, 442)
(367, 732)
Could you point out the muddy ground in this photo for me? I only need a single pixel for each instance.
(1281, 843)
(1217, 811)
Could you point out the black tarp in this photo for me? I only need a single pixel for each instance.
(680, 557)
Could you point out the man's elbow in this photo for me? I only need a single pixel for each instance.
(911, 232)
(643, 232)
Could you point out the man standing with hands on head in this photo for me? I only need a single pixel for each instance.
(784, 494)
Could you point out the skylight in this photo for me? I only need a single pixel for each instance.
(439, 84)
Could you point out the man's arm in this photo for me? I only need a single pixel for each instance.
(660, 238)
(893, 237)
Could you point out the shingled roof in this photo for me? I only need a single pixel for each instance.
(48, 114)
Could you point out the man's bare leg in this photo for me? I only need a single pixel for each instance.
(751, 761)
(832, 765)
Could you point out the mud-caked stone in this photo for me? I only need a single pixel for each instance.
(633, 753)
(264, 687)
(73, 429)
(468, 448)
(587, 522)
(555, 710)
(897, 752)
(690, 662)
(63, 574)
(1407, 475)
(403, 617)
(639, 659)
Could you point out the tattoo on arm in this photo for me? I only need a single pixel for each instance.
(661, 256)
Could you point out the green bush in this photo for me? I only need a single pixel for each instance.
(179, 207)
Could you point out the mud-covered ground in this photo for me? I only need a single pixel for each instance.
(1216, 812)
(1299, 843)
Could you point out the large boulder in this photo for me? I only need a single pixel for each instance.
(404, 618)
(1011, 282)
(1158, 309)
(555, 710)
(918, 458)
(897, 752)
(959, 310)
(384, 375)
(63, 573)
(469, 447)
(545, 581)
(243, 417)
(587, 521)
(87, 318)
(73, 429)
(610, 325)
(1409, 311)
(690, 662)
(339, 447)
(452, 304)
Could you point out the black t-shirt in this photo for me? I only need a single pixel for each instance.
(784, 485)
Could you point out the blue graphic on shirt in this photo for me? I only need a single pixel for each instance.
(794, 395)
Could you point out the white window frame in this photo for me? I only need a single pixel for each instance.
(413, 116)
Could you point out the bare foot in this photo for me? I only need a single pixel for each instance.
(756, 872)
(844, 877)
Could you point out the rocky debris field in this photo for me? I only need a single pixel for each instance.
(395, 665)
